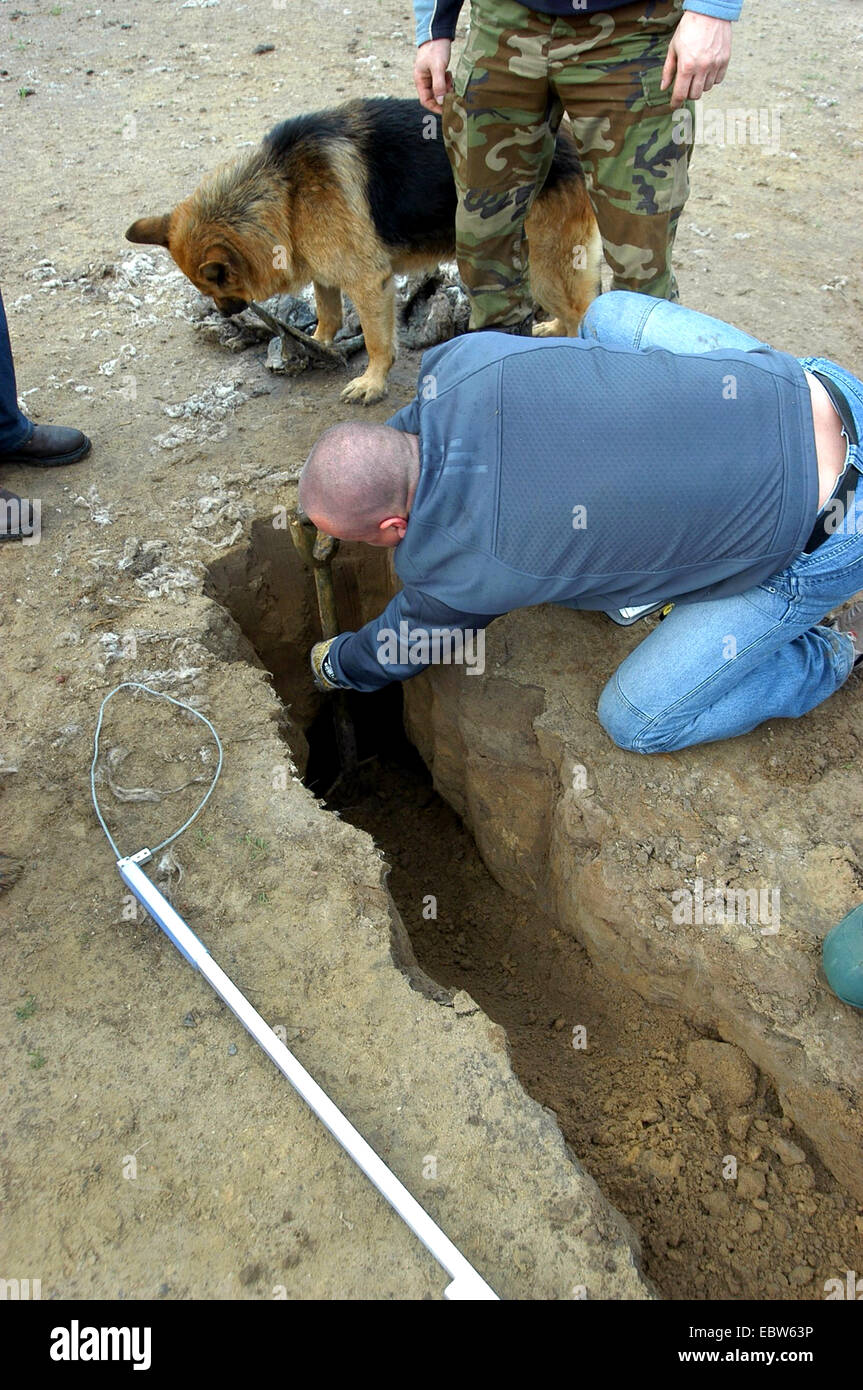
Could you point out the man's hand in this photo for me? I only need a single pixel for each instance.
(322, 671)
(431, 74)
(698, 56)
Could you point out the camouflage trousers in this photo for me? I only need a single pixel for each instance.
(519, 72)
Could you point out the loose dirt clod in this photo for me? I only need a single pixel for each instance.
(725, 1071)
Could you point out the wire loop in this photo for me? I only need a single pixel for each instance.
(160, 695)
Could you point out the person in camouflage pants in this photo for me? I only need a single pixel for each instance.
(520, 70)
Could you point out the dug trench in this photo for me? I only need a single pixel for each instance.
(682, 1131)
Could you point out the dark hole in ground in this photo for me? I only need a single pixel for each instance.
(380, 738)
(635, 1113)
(631, 1109)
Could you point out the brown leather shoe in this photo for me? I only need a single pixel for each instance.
(16, 517)
(49, 446)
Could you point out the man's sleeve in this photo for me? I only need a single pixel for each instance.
(717, 9)
(407, 419)
(414, 631)
(437, 19)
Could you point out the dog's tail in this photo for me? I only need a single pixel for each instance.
(565, 164)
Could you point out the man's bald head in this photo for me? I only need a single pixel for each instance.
(358, 476)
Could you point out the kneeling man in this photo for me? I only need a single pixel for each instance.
(661, 456)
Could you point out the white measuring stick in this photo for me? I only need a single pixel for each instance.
(466, 1283)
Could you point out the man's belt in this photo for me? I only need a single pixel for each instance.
(845, 488)
(840, 401)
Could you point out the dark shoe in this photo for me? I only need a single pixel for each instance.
(49, 446)
(13, 525)
(523, 329)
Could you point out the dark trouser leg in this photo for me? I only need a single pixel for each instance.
(15, 428)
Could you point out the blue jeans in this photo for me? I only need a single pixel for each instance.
(715, 669)
(15, 428)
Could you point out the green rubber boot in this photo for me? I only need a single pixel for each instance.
(842, 954)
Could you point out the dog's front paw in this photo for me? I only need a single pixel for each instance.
(552, 328)
(365, 389)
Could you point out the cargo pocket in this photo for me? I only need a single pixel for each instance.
(454, 119)
(456, 114)
(464, 66)
(651, 90)
(661, 144)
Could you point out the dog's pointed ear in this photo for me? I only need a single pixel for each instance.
(214, 271)
(150, 231)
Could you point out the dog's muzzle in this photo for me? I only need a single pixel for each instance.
(229, 307)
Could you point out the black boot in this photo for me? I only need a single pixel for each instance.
(49, 446)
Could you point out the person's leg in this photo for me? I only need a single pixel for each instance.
(713, 670)
(606, 70)
(716, 669)
(622, 319)
(499, 125)
(15, 428)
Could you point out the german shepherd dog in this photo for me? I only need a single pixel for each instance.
(346, 198)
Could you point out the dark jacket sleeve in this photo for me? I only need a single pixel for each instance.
(436, 19)
(372, 657)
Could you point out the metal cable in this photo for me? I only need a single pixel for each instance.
(160, 695)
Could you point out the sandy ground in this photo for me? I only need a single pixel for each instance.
(108, 114)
